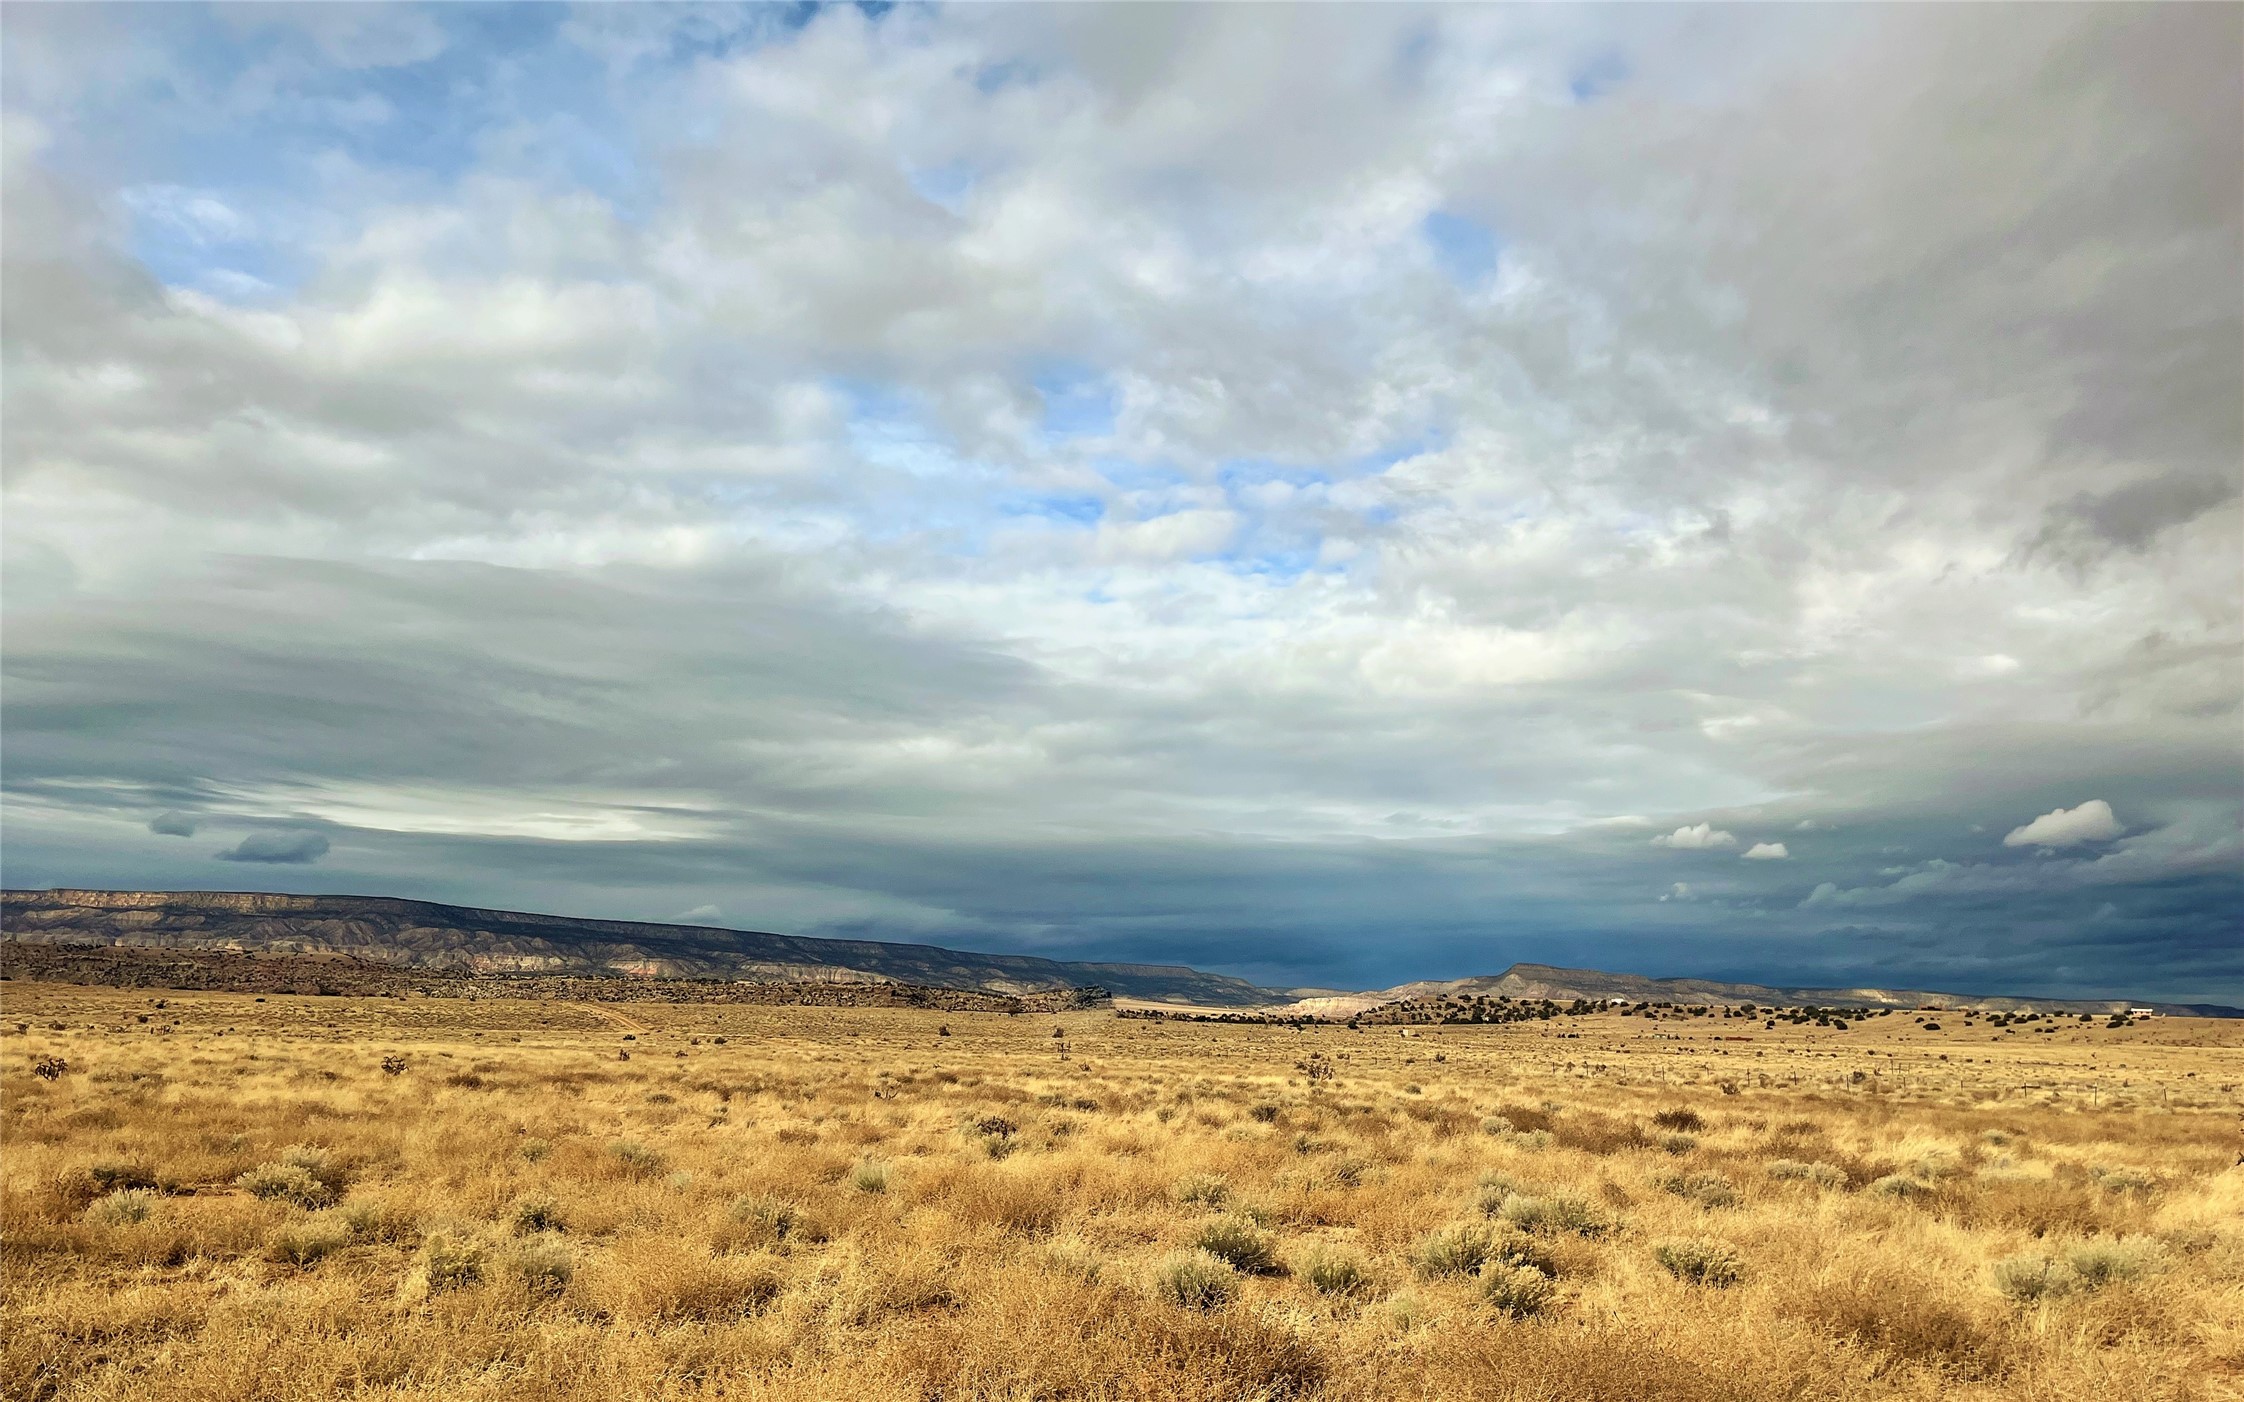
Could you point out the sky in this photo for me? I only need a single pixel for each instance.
(1331, 494)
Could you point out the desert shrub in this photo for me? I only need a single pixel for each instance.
(2124, 1180)
(542, 1265)
(1075, 1258)
(305, 1245)
(2030, 1278)
(535, 1150)
(1823, 1175)
(1332, 1270)
(1679, 1143)
(1519, 1119)
(770, 1218)
(637, 1159)
(1904, 1318)
(290, 1183)
(121, 1208)
(1494, 1188)
(1205, 1190)
(1707, 1190)
(1699, 1261)
(1240, 1243)
(1938, 1164)
(1349, 1171)
(393, 1065)
(1679, 1118)
(1195, 1279)
(2096, 1264)
(1516, 1290)
(1556, 1212)
(871, 1175)
(1600, 1134)
(50, 1068)
(111, 1176)
(447, 1261)
(374, 1219)
(1899, 1186)
(1461, 1249)
(536, 1213)
(1264, 1113)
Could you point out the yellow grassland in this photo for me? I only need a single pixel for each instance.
(847, 1204)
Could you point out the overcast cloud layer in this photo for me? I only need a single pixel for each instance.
(1332, 494)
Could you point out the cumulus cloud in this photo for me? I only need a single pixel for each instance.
(1696, 836)
(2068, 827)
(1766, 852)
(277, 848)
(172, 825)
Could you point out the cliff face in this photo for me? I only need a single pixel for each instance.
(420, 934)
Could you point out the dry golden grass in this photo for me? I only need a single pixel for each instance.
(233, 1199)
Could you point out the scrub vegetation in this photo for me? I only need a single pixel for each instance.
(211, 1196)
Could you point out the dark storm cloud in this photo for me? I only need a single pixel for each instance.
(172, 825)
(276, 848)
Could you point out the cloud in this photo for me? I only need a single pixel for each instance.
(2068, 827)
(889, 475)
(1695, 837)
(277, 848)
(1766, 852)
(172, 825)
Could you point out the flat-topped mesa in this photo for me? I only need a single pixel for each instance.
(423, 934)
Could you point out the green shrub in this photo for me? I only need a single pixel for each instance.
(542, 1264)
(121, 1208)
(2124, 1180)
(1195, 1279)
(537, 1213)
(2030, 1278)
(1518, 1291)
(1242, 1244)
(377, 1220)
(1699, 1261)
(1709, 1190)
(1679, 1144)
(870, 1176)
(448, 1261)
(290, 1183)
(305, 1245)
(1461, 1249)
(1204, 1190)
(1331, 1270)
(773, 1218)
(2097, 1264)
(1823, 1175)
(535, 1150)
(637, 1159)
(1554, 1213)
(1900, 1186)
